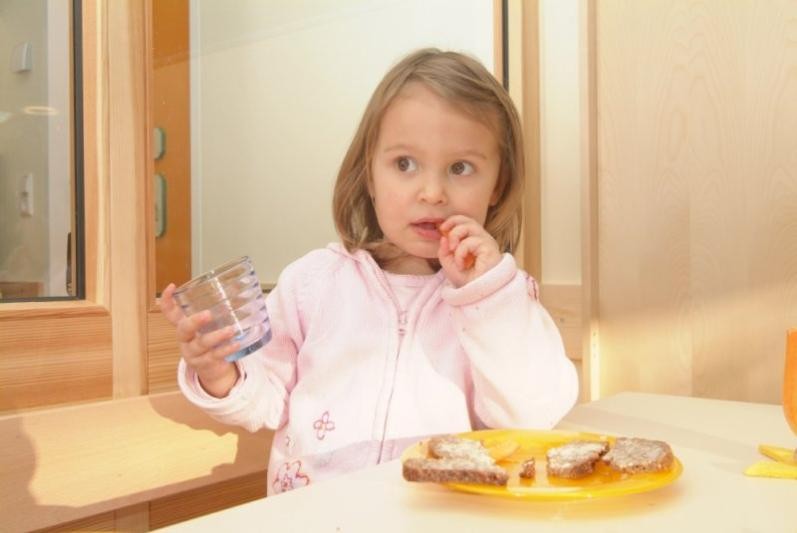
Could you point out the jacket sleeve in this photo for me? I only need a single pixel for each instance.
(521, 375)
(260, 397)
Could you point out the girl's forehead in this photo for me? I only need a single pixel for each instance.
(429, 97)
(418, 109)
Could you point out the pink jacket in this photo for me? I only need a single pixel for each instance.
(349, 379)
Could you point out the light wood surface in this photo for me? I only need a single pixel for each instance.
(75, 462)
(563, 302)
(67, 359)
(129, 152)
(715, 441)
(697, 138)
(208, 499)
(163, 353)
(532, 209)
(588, 155)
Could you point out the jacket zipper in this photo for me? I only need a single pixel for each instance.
(401, 330)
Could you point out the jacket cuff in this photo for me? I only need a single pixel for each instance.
(483, 286)
(188, 380)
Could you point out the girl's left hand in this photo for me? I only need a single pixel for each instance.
(466, 250)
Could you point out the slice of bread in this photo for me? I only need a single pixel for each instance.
(633, 455)
(574, 459)
(527, 469)
(455, 460)
(449, 447)
(454, 470)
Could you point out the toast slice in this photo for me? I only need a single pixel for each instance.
(575, 459)
(455, 460)
(633, 455)
(450, 447)
(453, 470)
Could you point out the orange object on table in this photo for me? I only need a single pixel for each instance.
(790, 381)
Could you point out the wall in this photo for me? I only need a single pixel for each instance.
(278, 90)
(560, 134)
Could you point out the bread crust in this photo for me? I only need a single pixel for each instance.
(574, 459)
(455, 460)
(632, 455)
(455, 470)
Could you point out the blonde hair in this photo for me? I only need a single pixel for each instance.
(465, 83)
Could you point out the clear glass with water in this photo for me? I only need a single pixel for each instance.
(232, 294)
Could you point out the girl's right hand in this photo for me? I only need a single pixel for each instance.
(202, 352)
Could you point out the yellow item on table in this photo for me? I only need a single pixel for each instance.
(781, 455)
(772, 469)
(784, 465)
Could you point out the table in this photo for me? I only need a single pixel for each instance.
(714, 439)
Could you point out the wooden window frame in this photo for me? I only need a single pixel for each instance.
(55, 352)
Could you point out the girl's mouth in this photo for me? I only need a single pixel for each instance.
(427, 229)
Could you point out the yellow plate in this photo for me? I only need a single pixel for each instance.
(603, 482)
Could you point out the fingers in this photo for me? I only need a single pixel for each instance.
(187, 327)
(208, 341)
(458, 227)
(466, 249)
(466, 252)
(169, 307)
(201, 357)
(209, 348)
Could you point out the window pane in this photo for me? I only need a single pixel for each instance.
(254, 108)
(38, 179)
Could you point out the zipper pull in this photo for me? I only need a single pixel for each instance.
(402, 320)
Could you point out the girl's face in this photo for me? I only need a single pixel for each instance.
(431, 161)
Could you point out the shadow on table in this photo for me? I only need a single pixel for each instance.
(19, 510)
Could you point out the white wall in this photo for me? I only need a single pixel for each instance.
(278, 89)
(560, 131)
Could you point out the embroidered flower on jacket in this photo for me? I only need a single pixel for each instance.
(322, 425)
(289, 477)
(533, 288)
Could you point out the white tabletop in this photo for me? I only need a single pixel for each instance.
(715, 440)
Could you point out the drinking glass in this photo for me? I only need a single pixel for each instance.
(232, 294)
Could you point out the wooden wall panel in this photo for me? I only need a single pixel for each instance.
(163, 353)
(206, 500)
(66, 359)
(563, 302)
(697, 188)
(100, 523)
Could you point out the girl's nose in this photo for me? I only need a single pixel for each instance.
(433, 190)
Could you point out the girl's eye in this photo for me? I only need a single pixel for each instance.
(461, 168)
(406, 164)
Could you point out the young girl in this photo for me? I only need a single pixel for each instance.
(420, 323)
